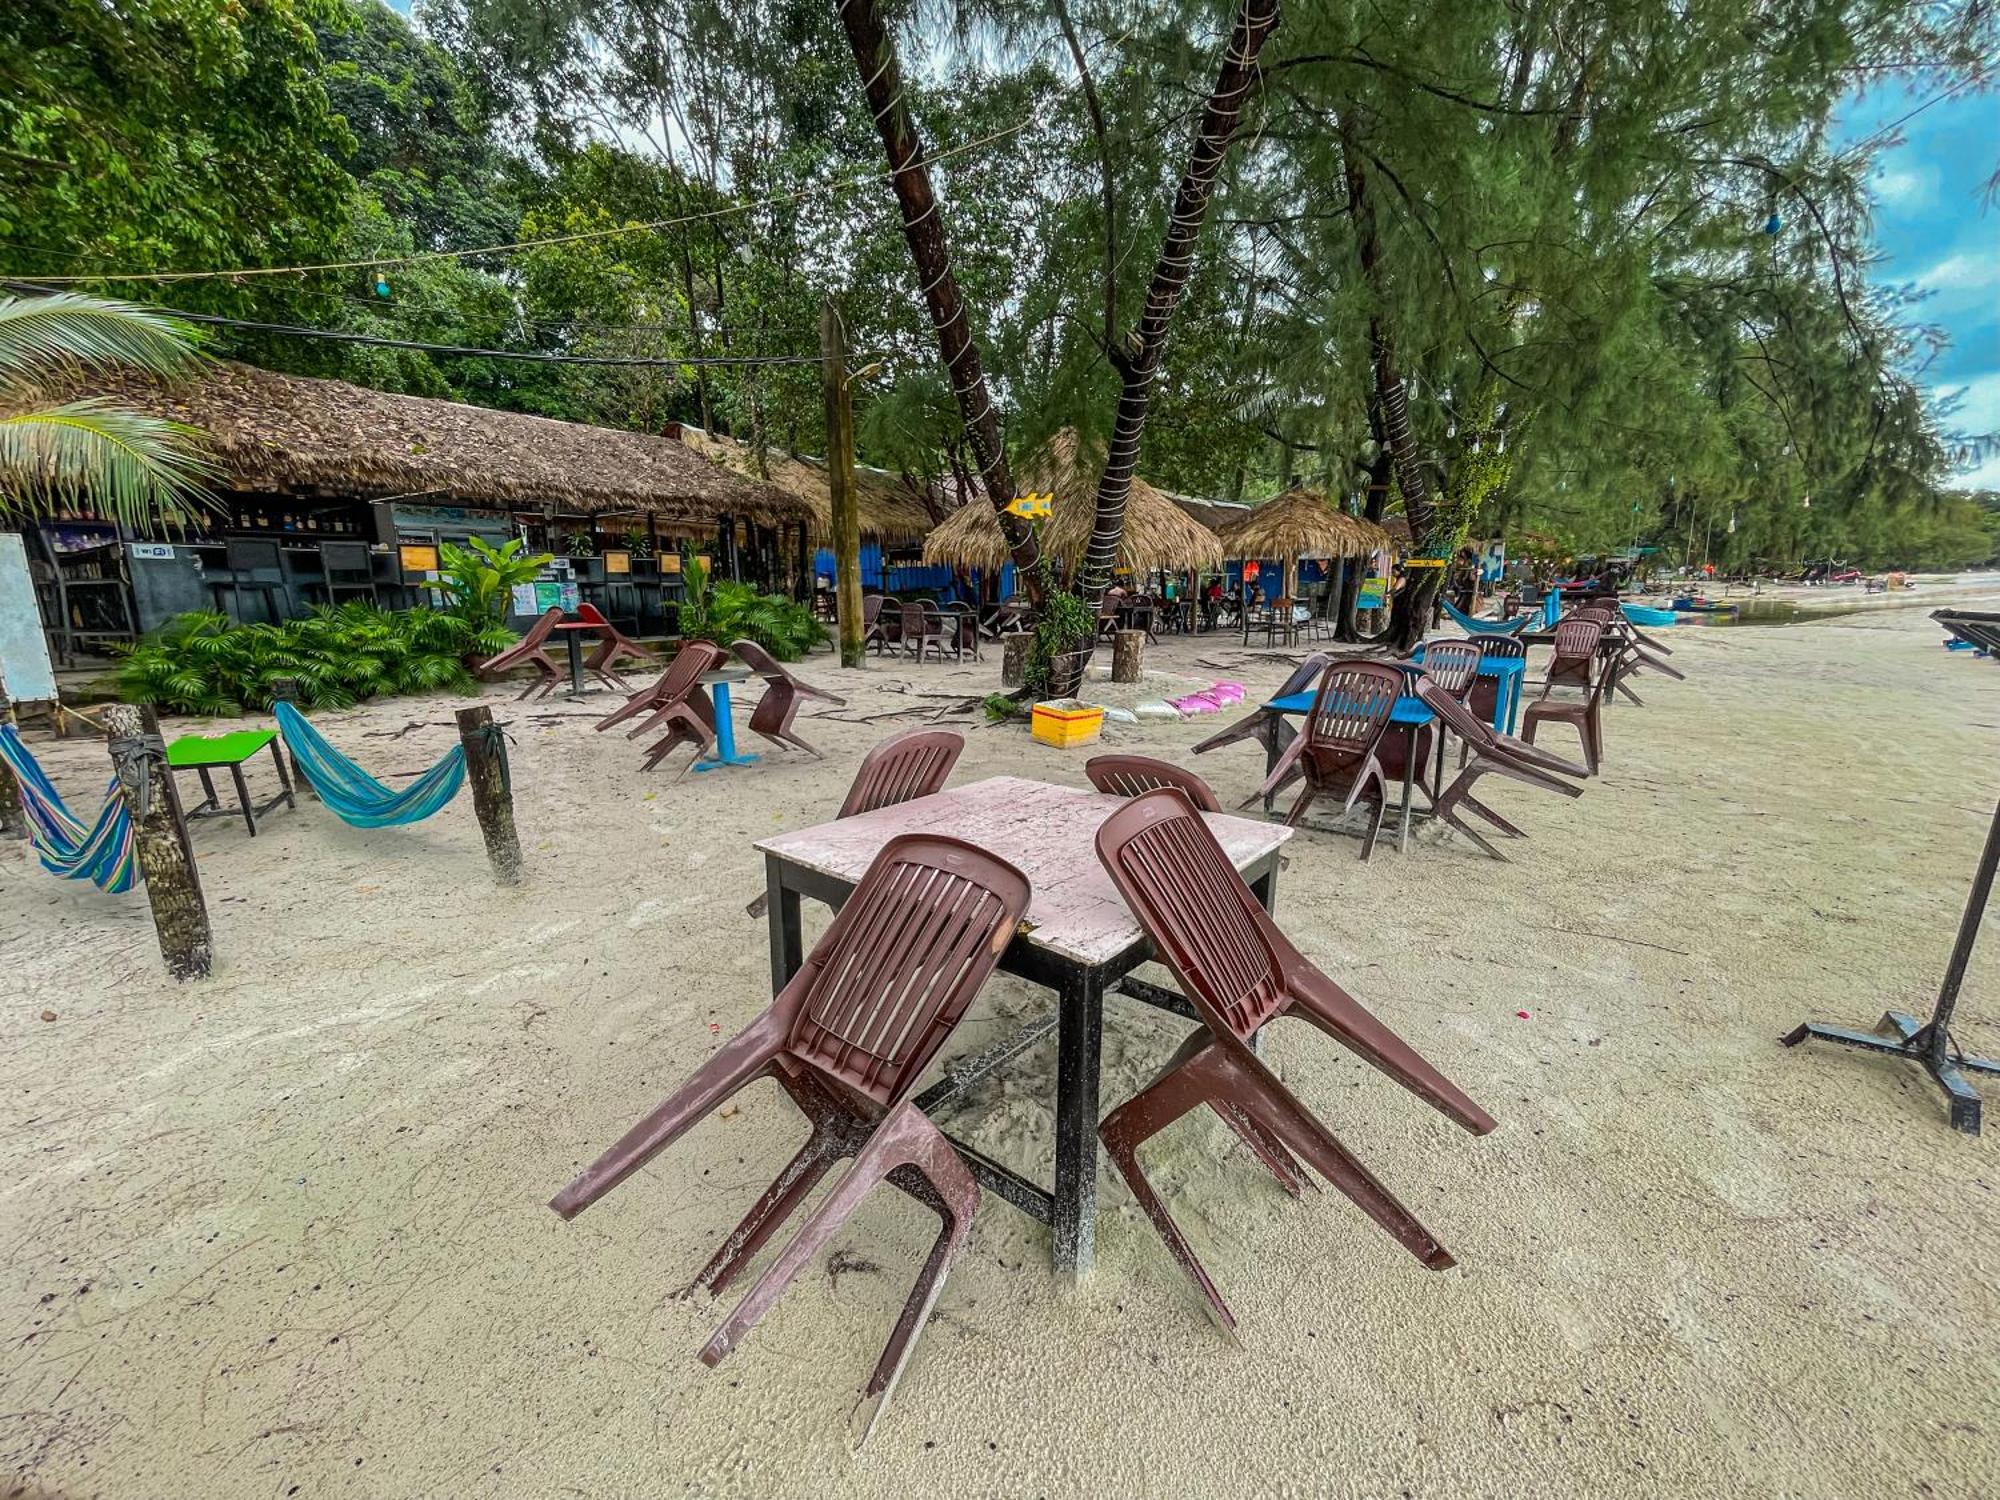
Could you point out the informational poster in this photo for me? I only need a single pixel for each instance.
(1374, 592)
(617, 562)
(1492, 563)
(24, 650)
(521, 599)
(418, 557)
(554, 594)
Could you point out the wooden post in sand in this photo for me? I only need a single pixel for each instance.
(492, 790)
(13, 825)
(160, 840)
(286, 690)
(1128, 655)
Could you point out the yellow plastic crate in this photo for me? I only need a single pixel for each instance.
(1065, 722)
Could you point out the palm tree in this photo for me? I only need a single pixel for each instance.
(130, 467)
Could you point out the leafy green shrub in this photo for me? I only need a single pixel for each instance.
(478, 577)
(736, 611)
(783, 627)
(202, 663)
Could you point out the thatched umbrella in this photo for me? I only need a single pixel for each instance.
(1158, 533)
(1302, 523)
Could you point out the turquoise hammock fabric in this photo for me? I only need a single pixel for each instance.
(1486, 627)
(99, 852)
(351, 793)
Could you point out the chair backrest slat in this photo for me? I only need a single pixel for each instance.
(1203, 919)
(1134, 775)
(903, 767)
(1452, 664)
(1354, 701)
(693, 659)
(909, 950)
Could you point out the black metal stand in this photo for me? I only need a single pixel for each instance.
(1929, 1042)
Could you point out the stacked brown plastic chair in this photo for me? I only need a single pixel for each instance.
(673, 685)
(1135, 775)
(613, 647)
(773, 715)
(847, 1038)
(679, 704)
(1488, 751)
(925, 629)
(1267, 726)
(1241, 973)
(902, 768)
(1338, 751)
(881, 623)
(530, 650)
(1577, 655)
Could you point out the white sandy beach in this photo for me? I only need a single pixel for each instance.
(284, 1232)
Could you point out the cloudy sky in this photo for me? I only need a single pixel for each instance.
(1935, 231)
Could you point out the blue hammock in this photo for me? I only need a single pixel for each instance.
(100, 852)
(351, 793)
(1486, 627)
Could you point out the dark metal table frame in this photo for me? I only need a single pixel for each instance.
(251, 811)
(1070, 1208)
(1929, 1043)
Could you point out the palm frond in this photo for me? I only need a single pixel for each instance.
(41, 336)
(128, 465)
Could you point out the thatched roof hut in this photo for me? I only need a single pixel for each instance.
(288, 435)
(1302, 523)
(891, 509)
(1158, 533)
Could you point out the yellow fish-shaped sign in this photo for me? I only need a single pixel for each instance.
(1033, 507)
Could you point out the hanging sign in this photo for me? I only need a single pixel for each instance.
(1425, 562)
(617, 562)
(1374, 591)
(1032, 507)
(418, 558)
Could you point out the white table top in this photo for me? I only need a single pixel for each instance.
(1047, 832)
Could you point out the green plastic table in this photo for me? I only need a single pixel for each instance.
(201, 753)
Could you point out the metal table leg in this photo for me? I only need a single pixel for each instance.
(1079, 1039)
(784, 922)
(574, 640)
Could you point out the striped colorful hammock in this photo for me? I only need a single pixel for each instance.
(100, 852)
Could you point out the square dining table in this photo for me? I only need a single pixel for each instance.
(1078, 939)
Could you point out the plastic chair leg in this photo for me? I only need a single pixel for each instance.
(1129, 1126)
(1267, 1148)
(825, 1146)
(904, 1138)
(1269, 1101)
(1319, 1000)
(743, 1058)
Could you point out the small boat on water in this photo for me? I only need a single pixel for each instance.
(1687, 604)
(1645, 614)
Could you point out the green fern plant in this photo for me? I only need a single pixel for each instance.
(201, 663)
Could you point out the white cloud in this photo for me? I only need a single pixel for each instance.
(1905, 188)
(1964, 272)
(1978, 402)
(1985, 476)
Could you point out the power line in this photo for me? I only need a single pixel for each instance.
(384, 262)
(344, 336)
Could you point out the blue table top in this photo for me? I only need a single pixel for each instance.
(1409, 709)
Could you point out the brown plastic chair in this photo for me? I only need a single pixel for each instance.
(613, 646)
(1574, 662)
(1134, 775)
(773, 715)
(1489, 751)
(924, 628)
(673, 685)
(682, 706)
(1267, 726)
(881, 622)
(1585, 714)
(847, 1038)
(1338, 751)
(902, 768)
(531, 649)
(1241, 973)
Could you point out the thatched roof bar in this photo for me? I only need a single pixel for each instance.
(891, 509)
(286, 434)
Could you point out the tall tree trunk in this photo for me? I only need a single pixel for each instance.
(1411, 613)
(1138, 359)
(923, 229)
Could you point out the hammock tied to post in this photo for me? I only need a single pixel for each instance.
(100, 852)
(351, 793)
